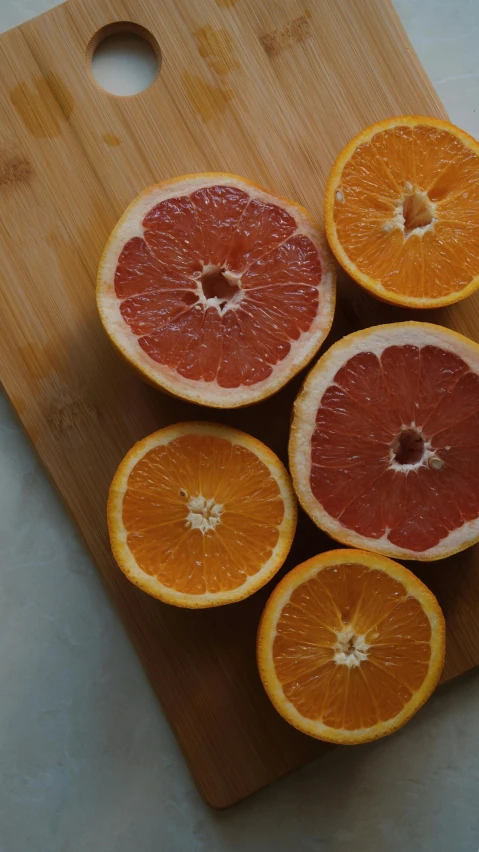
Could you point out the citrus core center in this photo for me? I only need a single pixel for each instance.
(408, 447)
(204, 515)
(350, 648)
(417, 211)
(218, 286)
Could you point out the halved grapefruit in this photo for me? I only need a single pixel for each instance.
(201, 515)
(384, 446)
(402, 211)
(350, 646)
(215, 289)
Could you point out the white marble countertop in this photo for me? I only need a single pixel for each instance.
(87, 761)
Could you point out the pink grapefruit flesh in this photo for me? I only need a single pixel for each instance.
(216, 290)
(385, 441)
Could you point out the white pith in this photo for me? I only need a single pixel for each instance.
(221, 305)
(203, 515)
(210, 393)
(398, 221)
(351, 648)
(374, 340)
(427, 453)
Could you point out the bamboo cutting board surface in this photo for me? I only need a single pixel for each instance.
(269, 89)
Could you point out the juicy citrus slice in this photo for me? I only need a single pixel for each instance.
(216, 290)
(402, 211)
(384, 447)
(350, 646)
(201, 515)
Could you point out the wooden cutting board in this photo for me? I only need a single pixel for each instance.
(269, 89)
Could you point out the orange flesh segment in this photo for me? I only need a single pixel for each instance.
(376, 607)
(276, 272)
(361, 415)
(395, 165)
(155, 512)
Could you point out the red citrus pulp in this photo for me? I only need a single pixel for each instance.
(385, 441)
(215, 289)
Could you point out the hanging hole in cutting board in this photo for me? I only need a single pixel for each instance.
(124, 58)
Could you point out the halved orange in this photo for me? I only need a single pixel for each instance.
(384, 446)
(201, 515)
(402, 211)
(215, 289)
(350, 646)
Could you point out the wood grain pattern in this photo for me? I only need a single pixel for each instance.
(267, 89)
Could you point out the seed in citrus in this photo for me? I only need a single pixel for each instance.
(402, 211)
(201, 515)
(216, 290)
(350, 646)
(384, 448)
